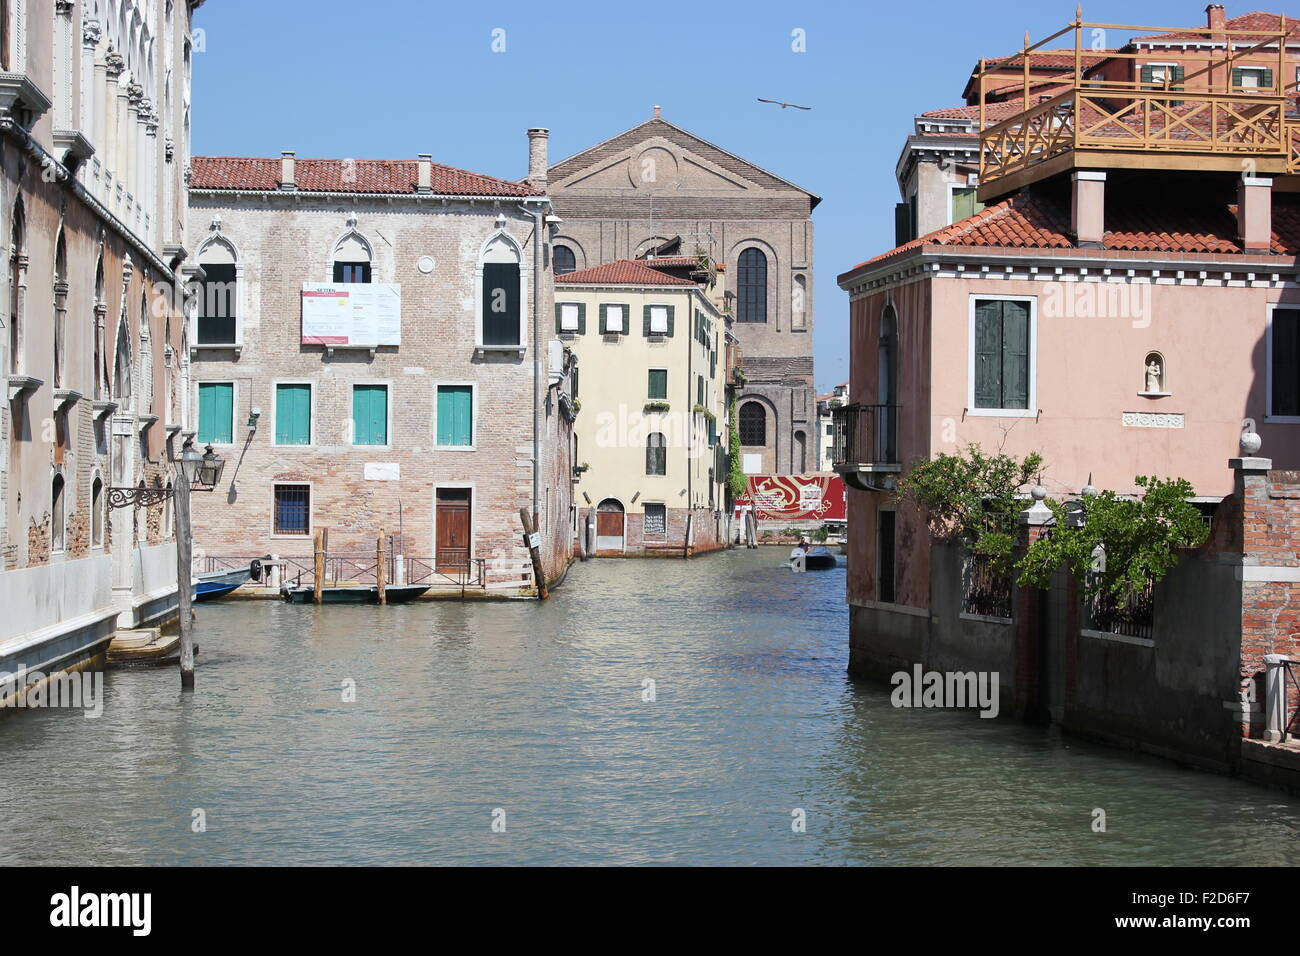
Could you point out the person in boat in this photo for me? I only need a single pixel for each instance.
(804, 546)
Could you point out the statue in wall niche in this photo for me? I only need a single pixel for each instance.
(1155, 375)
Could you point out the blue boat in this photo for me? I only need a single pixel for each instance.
(215, 584)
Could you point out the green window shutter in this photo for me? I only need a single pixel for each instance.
(216, 408)
(293, 414)
(559, 311)
(1237, 76)
(582, 318)
(603, 308)
(658, 385)
(455, 415)
(963, 204)
(1148, 74)
(370, 415)
(671, 309)
(902, 223)
(1015, 355)
(1285, 399)
(645, 315)
(1178, 73)
(988, 354)
(1266, 80)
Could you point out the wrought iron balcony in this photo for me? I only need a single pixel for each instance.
(865, 442)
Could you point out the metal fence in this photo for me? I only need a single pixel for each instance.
(865, 434)
(425, 570)
(1133, 617)
(986, 589)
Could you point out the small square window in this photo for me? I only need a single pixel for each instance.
(659, 320)
(656, 521)
(657, 387)
(569, 317)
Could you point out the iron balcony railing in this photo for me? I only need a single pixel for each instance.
(865, 435)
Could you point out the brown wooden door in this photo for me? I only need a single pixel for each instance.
(609, 524)
(453, 529)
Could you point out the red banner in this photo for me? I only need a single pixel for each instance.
(794, 498)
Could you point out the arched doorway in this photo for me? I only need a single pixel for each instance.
(887, 387)
(610, 522)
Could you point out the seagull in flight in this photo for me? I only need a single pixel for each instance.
(784, 105)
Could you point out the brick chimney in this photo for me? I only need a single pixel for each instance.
(1088, 208)
(537, 138)
(424, 182)
(287, 177)
(1255, 213)
(1215, 18)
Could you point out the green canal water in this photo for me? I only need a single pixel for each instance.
(466, 709)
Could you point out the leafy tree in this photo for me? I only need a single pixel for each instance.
(1138, 538)
(971, 498)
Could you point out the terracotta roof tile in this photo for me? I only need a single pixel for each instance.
(1265, 23)
(620, 272)
(377, 176)
(1167, 225)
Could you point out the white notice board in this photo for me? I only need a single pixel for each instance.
(351, 313)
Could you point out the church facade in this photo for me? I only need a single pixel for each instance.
(658, 191)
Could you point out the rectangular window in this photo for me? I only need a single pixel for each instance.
(352, 272)
(656, 454)
(292, 509)
(569, 317)
(656, 521)
(1284, 370)
(216, 305)
(615, 318)
(501, 319)
(216, 413)
(293, 414)
(370, 414)
(658, 385)
(964, 203)
(1251, 78)
(885, 557)
(699, 390)
(455, 415)
(658, 320)
(1002, 343)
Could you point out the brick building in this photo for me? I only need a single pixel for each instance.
(658, 190)
(373, 352)
(94, 141)
(651, 347)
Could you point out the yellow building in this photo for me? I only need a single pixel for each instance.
(651, 461)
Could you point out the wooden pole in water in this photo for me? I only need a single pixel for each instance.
(184, 566)
(318, 565)
(533, 540)
(380, 581)
(686, 543)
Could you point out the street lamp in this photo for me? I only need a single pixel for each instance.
(190, 461)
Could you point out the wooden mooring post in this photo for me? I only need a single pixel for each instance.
(184, 568)
(380, 555)
(533, 540)
(318, 565)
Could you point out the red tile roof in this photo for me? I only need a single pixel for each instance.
(1048, 60)
(378, 176)
(671, 262)
(993, 112)
(621, 272)
(1265, 23)
(1031, 220)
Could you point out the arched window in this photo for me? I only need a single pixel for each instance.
(60, 309)
(800, 452)
(97, 328)
(97, 513)
(751, 287)
(122, 367)
(500, 319)
(17, 279)
(218, 299)
(56, 513)
(753, 424)
(352, 259)
(563, 260)
(656, 454)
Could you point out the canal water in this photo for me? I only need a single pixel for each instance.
(537, 717)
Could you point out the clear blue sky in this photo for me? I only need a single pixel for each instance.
(394, 78)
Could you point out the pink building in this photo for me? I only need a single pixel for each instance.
(1127, 298)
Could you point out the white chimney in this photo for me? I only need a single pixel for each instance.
(425, 182)
(287, 177)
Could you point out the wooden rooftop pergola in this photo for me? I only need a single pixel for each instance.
(1197, 117)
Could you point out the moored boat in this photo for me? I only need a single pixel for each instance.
(217, 584)
(353, 594)
(817, 558)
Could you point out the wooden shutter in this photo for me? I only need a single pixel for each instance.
(216, 409)
(1148, 74)
(293, 414)
(670, 309)
(582, 318)
(370, 414)
(455, 415)
(559, 317)
(1015, 355)
(501, 304)
(1266, 79)
(604, 311)
(1237, 75)
(645, 316)
(902, 223)
(988, 354)
(1285, 399)
(658, 384)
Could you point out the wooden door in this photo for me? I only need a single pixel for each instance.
(452, 549)
(609, 526)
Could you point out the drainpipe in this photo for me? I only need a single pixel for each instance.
(539, 223)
